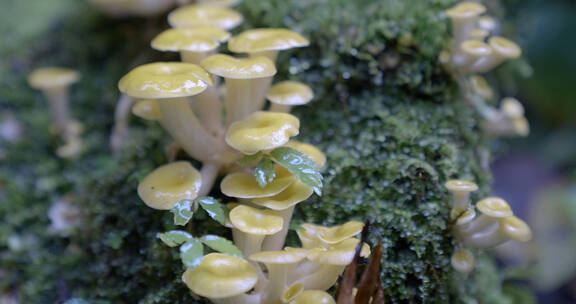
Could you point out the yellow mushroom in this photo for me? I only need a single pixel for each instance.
(460, 194)
(251, 225)
(340, 233)
(481, 87)
(502, 49)
(313, 297)
(148, 109)
(487, 23)
(464, 17)
(223, 279)
(204, 15)
(169, 184)
(462, 260)
(54, 83)
(471, 51)
(266, 42)
(506, 229)
(292, 292)
(242, 78)
(262, 131)
(244, 185)
(311, 151)
(286, 94)
(308, 235)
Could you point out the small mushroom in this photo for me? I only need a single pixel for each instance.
(169, 184)
(337, 234)
(286, 94)
(462, 260)
(464, 17)
(262, 131)
(313, 297)
(502, 49)
(481, 87)
(471, 51)
(266, 42)
(195, 15)
(251, 225)
(509, 228)
(460, 194)
(223, 279)
(311, 151)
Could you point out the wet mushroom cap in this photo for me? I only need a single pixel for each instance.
(465, 10)
(458, 185)
(494, 207)
(165, 80)
(239, 68)
(169, 184)
(198, 39)
(244, 185)
(268, 39)
(262, 131)
(338, 254)
(294, 194)
(255, 221)
(221, 276)
(516, 229)
(504, 47)
(204, 15)
(290, 93)
(313, 297)
(45, 78)
(340, 233)
(148, 109)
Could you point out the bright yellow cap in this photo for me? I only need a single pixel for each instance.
(221, 276)
(256, 221)
(465, 10)
(290, 93)
(481, 87)
(45, 78)
(266, 39)
(460, 186)
(239, 68)
(338, 254)
(262, 131)
(165, 80)
(197, 39)
(464, 216)
(314, 297)
(244, 185)
(462, 260)
(475, 48)
(504, 47)
(311, 151)
(494, 207)
(204, 15)
(340, 233)
(148, 109)
(515, 229)
(169, 184)
(294, 255)
(294, 194)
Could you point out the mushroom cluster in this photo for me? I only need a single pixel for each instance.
(213, 106)
(475, 49)
(495, 225)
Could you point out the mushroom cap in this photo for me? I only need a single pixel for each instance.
(239, 68)
(466, 10)
(515, 229)
(148, 109)
(308, 235)
(256, 221)
(311, 151)
(165, 80)
(494, 207)
(169, 184)
(294, 194)
(521, 126)
(338, 254)
(313, 297)
(340, 233)
(244, 185)
(292, 292)
(50, 77)
(204, 15)
(266, 39)
(460, 185)
(481, 87)
(512, 108)
(290, 93)
(221, 276)
(475, 48)
(462, 260)
(197, 39)
(294, 255)
(262, 131)
(463, 217)
(504, 47)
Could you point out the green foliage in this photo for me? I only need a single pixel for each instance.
(264, 172)
(214, 209)
(221, 244)
(300, 166)
(246, 159)
(192, 253)
(175, 237)
(183, 211)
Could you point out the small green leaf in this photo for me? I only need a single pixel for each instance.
(174, 238)
(300, 165)
(192, 253)
(221, 244)
(183, 212)
(248, 159)
(264, 172)
(214, 209)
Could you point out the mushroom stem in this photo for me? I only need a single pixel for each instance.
(260, 87)
(272, 55)
(302, 270)
(246, 242)
(481, 223)
(239, 98)
(274, 107)
(277, 274)
(208, 106)
(209, 173)
(323, 279)
(240, 299)
(58, 102)
(179, 120)
(276, 241)
(120, 130)
(488, 237)
(193, 57)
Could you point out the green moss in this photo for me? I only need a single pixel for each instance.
(386, 114)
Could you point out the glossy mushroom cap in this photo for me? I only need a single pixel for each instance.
(466, 10)
(313, 297)
(340, 233)
(262, 131)
(51, 77)
(197, 39)
(165, 80)
(255, 221)
(462, 260)
(494, 207)
(221, 276)
(338, 254)
(294, 255)
(459, 185)
(244, 185)
(170, 184)
(481, 87)
(504, 47)
(515, 229)
(463, 217)
(290, 93)
(239, 68)
(475, 48)
(148, 109)
(294, 194)
(266, 39)
(204, 15)
(311, 151)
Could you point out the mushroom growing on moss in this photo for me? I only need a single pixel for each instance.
(502, 49)
(204, 15)
(286, 94)
(252, 225)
